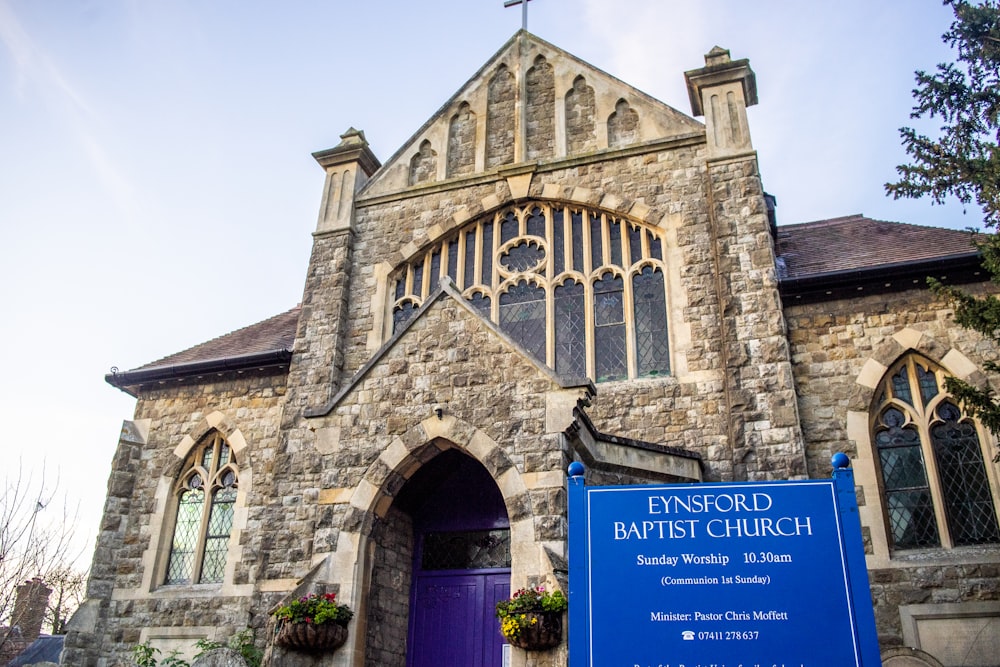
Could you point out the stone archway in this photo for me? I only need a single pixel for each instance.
(440, 562)
(351, 566)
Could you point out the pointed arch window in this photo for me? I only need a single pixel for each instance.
(522, 315)
(652, 354)
(609, 328)
(205, 494)
(580, 289)
(936, 482)
(571, 329)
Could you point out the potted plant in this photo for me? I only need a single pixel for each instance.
(315, 622)
(532, 618)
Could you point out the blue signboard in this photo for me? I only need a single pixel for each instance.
(718, 575)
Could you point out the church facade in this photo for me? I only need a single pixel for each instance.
(555, 267)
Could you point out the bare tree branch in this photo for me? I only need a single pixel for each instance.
(36, 540)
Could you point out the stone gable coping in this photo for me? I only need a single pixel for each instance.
(447, 289)
(521, 43)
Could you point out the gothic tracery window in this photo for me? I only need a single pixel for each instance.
(205, 493)
(580, 289)
(936, 484)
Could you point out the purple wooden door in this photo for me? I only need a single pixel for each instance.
(453, 621)
(461, 564)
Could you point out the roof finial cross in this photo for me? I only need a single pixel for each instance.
(524, 10)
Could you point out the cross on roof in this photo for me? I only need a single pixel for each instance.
(524, 10)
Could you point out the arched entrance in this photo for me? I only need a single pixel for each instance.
(461, 563)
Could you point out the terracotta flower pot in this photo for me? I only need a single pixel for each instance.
(310, 637)
(540, 630)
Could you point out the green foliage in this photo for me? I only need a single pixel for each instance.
(144, 655)
(515, 613)
(241, 642)
(964, 162)
(315, 608)
(532, 599)
(173, 660)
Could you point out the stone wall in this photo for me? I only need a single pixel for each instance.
(389, 597)
(423, 164)
(540, 117)
(832, 341)
(761, 403)
(580, 131)
(125, 597)
(360, 450)
(623, 125)
(500, 118)
(462, 142)
(834, 346)
(690, 408)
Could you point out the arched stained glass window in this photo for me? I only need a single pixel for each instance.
(651, 351)
(571, 329)
(609, 328)
(582, 290)
(202, 529)
(522, 315)
(402, 313)
(933, 469)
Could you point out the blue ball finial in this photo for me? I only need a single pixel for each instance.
(575, 469)
(840, 460)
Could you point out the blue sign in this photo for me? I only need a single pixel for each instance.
(717, 575)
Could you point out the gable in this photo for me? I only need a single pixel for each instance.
(448, 346)
(531, 102)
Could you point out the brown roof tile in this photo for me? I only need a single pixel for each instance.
(273, 334)
(857, 243)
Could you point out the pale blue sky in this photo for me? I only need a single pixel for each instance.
(157, 188)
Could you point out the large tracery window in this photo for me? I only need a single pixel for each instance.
(206, 494)
(581, 290)
(935, 478)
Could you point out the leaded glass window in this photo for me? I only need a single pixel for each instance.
(522, 315)
(466, 550)
(650, 322)
(581, 290)
(935, 479)
(402, 313)
(609, 328)
(571, 329)
(202, 529)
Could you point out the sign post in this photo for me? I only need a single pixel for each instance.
(718, 575)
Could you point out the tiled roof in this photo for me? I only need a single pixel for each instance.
(841, 248)
(857, 243)
(273, 334)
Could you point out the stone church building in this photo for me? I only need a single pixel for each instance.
(556, 267)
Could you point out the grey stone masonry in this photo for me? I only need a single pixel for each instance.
(540, 110)
(580, 130)
(462, 142)
(372, 410)
(500, 118)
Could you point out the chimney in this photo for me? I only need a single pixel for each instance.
(29, 608)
